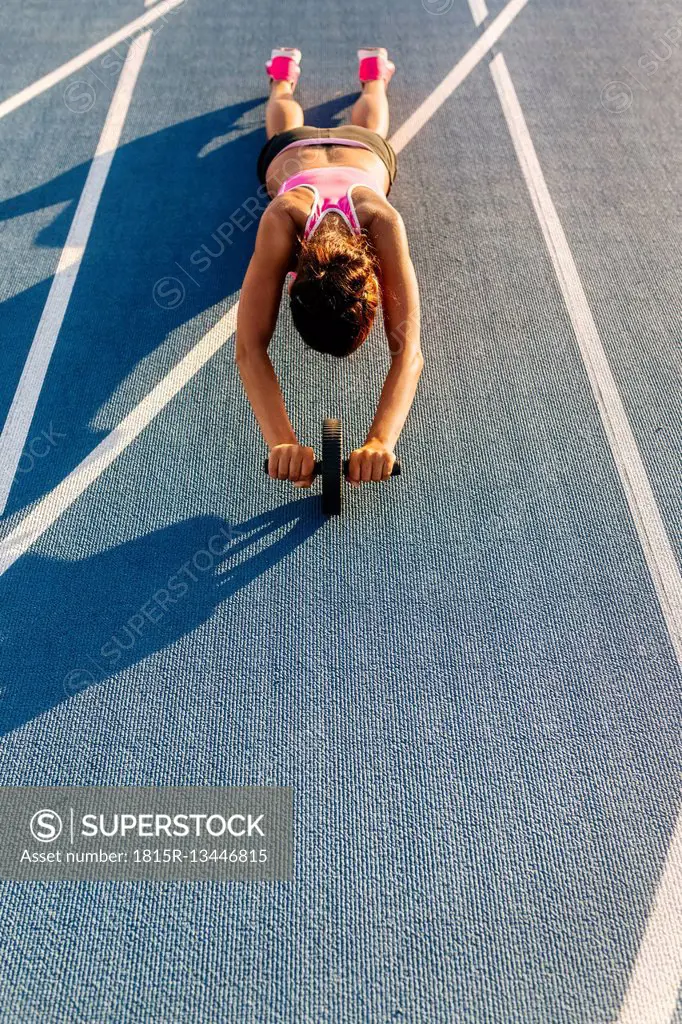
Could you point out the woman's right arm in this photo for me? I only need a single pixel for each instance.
(256, 319)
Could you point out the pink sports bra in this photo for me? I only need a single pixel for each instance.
(332, 188)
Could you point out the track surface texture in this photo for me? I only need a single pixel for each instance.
(471, 679)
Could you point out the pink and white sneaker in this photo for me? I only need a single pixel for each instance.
(374, 65)
(283, 65)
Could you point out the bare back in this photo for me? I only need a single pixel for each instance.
(292, 161)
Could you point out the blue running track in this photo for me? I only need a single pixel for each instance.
(468, 678)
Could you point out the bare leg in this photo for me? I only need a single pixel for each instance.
(371, 108)
(282, 111)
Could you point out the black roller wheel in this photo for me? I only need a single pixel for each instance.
(332, 467)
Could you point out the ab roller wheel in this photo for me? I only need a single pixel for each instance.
(333, 467)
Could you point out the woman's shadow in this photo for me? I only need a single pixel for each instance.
(71, 625)
(172, 237)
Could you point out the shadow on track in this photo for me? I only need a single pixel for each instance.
(172, 238)
(71, 625)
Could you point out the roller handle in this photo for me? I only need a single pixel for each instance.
(318, 467)
(346, 463)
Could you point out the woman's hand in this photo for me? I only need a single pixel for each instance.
(373, 462)
(292, 462)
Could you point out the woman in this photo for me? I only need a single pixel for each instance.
(331, 224)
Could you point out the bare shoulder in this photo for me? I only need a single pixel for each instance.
(383, 224)
(290, 210)
(276, 237)
(372, 208)
(278, 217)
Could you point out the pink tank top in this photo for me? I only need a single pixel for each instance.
(332, 188)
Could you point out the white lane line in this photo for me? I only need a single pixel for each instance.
(479, 11)
(656, 977)
(57, 501)
(652, 534)
(47, 81)
(22, 409)
(47, 511)
(471, 58)
(657, 973)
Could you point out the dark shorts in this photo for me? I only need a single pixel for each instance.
(383, 149)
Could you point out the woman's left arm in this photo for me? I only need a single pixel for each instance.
(400, 301)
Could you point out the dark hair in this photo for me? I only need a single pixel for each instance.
(336, 291)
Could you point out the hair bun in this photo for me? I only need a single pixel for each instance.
(336, 292)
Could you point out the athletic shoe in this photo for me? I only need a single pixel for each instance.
(283, 65)
(374, 65)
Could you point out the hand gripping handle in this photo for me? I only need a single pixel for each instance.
(318, 467)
